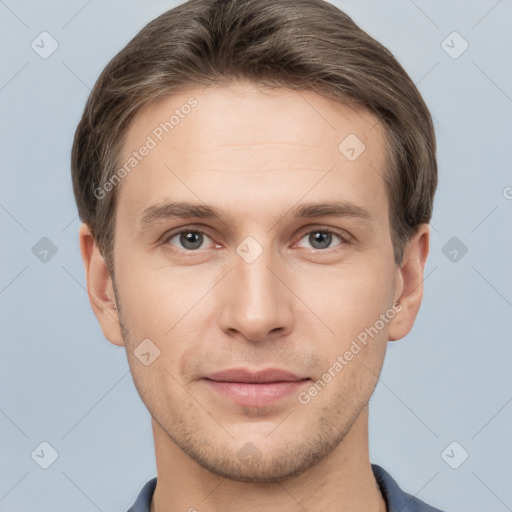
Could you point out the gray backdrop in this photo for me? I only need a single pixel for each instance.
(441, 415)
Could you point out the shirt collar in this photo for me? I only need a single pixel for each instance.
(396, 499)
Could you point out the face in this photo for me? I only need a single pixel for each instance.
(253, 251)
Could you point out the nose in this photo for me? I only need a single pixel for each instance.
(255, 301)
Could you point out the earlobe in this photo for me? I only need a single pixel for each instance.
(99, 287)
(409, 283)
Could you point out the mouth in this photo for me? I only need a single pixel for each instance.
(255, 389)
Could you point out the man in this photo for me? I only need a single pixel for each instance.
(255, 181)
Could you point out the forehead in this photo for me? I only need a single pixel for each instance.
(265, 146)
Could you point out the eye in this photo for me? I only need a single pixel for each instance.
(189, 240)
(322, 238)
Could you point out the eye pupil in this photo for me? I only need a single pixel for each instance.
(323, 238)
(191, 239)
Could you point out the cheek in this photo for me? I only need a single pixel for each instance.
(155, 299)
(350, 302)
(346, 299)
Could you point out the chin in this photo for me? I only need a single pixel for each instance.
(250, 465)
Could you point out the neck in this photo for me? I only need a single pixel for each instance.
(342, 481)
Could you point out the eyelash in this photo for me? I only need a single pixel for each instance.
(344, 238)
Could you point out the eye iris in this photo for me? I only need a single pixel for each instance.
(322, 238)
(191, 240)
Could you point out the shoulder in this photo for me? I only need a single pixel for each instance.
(143, 501)
(396, 499)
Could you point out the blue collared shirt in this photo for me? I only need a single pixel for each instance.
(396, 499)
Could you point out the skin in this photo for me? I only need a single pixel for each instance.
(254, 154)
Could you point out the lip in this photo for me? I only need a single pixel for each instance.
(243, 375)
(255, 389)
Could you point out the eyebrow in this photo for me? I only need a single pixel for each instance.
(184, 210)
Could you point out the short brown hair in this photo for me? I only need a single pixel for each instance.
(299, 44)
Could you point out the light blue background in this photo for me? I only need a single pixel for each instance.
(63, 383)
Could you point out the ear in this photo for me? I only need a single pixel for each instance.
(99, 287)
(409, 283)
